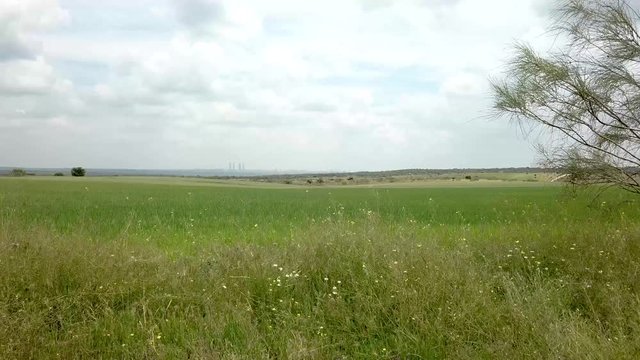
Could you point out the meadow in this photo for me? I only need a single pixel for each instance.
(146, 268)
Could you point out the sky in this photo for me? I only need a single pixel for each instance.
(339, 85)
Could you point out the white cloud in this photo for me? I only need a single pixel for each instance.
(464, 84)
(19, 18)
(26, 77)
(29, 15)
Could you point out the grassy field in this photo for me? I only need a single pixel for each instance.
(177, 268)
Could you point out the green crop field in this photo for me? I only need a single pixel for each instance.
(182, 268)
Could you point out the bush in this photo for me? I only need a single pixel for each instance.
(78, 171)
(58, 174)
(18, 172)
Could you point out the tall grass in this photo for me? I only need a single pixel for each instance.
(484, 275)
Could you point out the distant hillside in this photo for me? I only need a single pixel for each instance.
(409, 172)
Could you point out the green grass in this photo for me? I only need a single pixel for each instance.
(135, 268)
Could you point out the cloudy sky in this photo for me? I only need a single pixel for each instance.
(280, 84)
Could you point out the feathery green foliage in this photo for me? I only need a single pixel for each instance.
(586, 94)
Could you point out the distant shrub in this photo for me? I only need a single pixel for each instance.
(78, 171)
(18, 172)
(58, 174)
